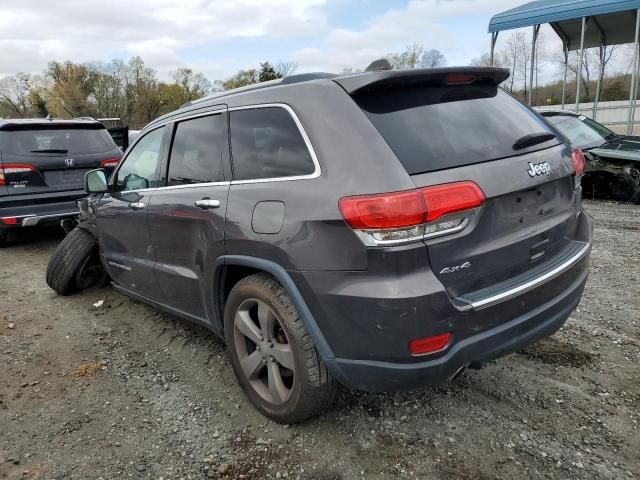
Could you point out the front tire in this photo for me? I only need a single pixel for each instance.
(272, 355)
(75, 263)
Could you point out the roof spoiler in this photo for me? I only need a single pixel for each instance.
(375, 80)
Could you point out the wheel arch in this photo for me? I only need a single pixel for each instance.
(258, 265)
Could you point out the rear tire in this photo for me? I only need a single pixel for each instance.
(285, 379)
(75, 264)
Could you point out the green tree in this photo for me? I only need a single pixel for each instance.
(192, 85)
(241, 79)
(109, 88)
(614, 91)
(72, 85)
(267, 72)
(143, 93)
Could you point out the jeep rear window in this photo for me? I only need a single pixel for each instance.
(438, 127)
(72, 141)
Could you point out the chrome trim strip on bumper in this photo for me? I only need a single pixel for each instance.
(31, 220)
(530, 285)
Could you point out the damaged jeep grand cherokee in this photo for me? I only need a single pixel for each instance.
(381, 230)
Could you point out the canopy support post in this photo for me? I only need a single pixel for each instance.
(632, 93)
(494, 39)
(536, 29)
(566, 66)
(600, 75)
(580, 60)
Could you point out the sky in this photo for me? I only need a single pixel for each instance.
(219, 37)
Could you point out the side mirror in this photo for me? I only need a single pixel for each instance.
(95, 181)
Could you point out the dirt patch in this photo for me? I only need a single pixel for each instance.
(553, 352)
(168, 404)
(89, 369)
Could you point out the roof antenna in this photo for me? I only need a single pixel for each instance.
(379, 65)
(48, 117)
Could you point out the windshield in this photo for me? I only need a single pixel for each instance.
(67, 141)
(582, 131)
(436, 127)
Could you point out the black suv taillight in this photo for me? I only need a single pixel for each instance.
(9, 168)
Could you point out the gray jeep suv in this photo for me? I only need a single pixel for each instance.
(381, 230)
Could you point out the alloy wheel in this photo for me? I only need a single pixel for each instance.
(264, 351)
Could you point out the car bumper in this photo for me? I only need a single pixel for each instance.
(368, 322)
(472, 351)
(38, 214)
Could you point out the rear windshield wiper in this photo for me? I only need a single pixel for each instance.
(532, 139)
(50, 150)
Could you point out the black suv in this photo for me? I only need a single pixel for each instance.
(381, 230)
(42, 167)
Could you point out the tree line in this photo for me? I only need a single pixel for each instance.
(130, 91)
(133, 92)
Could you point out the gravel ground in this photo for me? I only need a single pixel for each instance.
(122, 391)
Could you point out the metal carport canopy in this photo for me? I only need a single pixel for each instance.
(613, 20)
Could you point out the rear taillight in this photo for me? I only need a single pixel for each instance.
(387, 210)
(10, 168)
(9, 220)
(451, 198)
(579, 163)
(403, 217)
(109, 163)
(424, 346)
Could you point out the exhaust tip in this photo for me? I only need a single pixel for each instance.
(457, 373)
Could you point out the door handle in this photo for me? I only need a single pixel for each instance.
(136, 206)
(207, 203)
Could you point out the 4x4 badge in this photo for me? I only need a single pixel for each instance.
(456, 268)
(539, 169)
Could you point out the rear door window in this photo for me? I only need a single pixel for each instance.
(266, 143)
(71, 141)
(438, 127)
(197, 154)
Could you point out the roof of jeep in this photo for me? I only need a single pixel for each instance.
(351, 83)
(21, 123)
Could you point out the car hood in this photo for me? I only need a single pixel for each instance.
(620, 148)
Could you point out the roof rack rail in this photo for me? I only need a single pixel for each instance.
(289, 80)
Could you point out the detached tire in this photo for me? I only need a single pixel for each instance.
(273, 357)
(75, 264)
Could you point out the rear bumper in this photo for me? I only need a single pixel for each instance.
(474, 350)
(37, 214)
(368, 318)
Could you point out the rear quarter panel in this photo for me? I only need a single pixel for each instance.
(353, 159)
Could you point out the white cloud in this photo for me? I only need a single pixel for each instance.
(162, 32)
(33, 32)
(427, 22)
